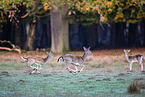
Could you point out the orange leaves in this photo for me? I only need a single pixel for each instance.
(46, 6)
(103, 10)
(119, 17)
(110, 10)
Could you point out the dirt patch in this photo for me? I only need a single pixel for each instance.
(121, 74)
(120, 79)
(139, 79)
(106, 79)
(98, 80)
(65, 77)
(21, 80)
(47, 75)
(54, 73)
(81, 81)
(91, 78)
(4, 73)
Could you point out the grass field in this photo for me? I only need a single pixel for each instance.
(105, 75)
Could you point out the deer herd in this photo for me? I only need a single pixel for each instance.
(76, 60)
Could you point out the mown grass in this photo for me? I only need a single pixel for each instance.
(103, 76)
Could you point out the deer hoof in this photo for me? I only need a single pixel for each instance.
(39, 72)
(74, 73)
(70, 71)
(142, 71)
(35, 69)
(131, 71)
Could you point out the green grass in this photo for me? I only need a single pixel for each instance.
(84, 84)
(55, 81)
(61, 83)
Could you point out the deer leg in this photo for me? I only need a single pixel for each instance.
(82, 68)
(37, 69)
(76, 68)
(40, 66)
(38, 72)
(69, 69)
(141, 66)
(75, 71)
(34, 70)
(67, 66)
(131, 66)
(32, 66)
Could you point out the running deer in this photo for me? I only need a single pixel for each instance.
(136, 58)
(75, 60)
(38, 61)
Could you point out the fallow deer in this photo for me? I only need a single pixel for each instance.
(75, 60)
(38, 61)
(136, 58)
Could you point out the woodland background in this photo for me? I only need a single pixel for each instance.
(64, 25)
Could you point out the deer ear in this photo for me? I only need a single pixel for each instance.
(84, 48)
(129, 50)
(88, 48)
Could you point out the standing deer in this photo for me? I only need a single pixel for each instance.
(75, 60)
(38, 61)
(136, 58)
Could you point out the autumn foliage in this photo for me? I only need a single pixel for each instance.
(93, 11)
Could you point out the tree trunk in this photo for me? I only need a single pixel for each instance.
(19, 32)
(30, 37)
(59, 30)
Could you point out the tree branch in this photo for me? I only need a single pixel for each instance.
(28, 13)
(14, 48)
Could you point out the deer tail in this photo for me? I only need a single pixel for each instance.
(25, 59)
(59, 58)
